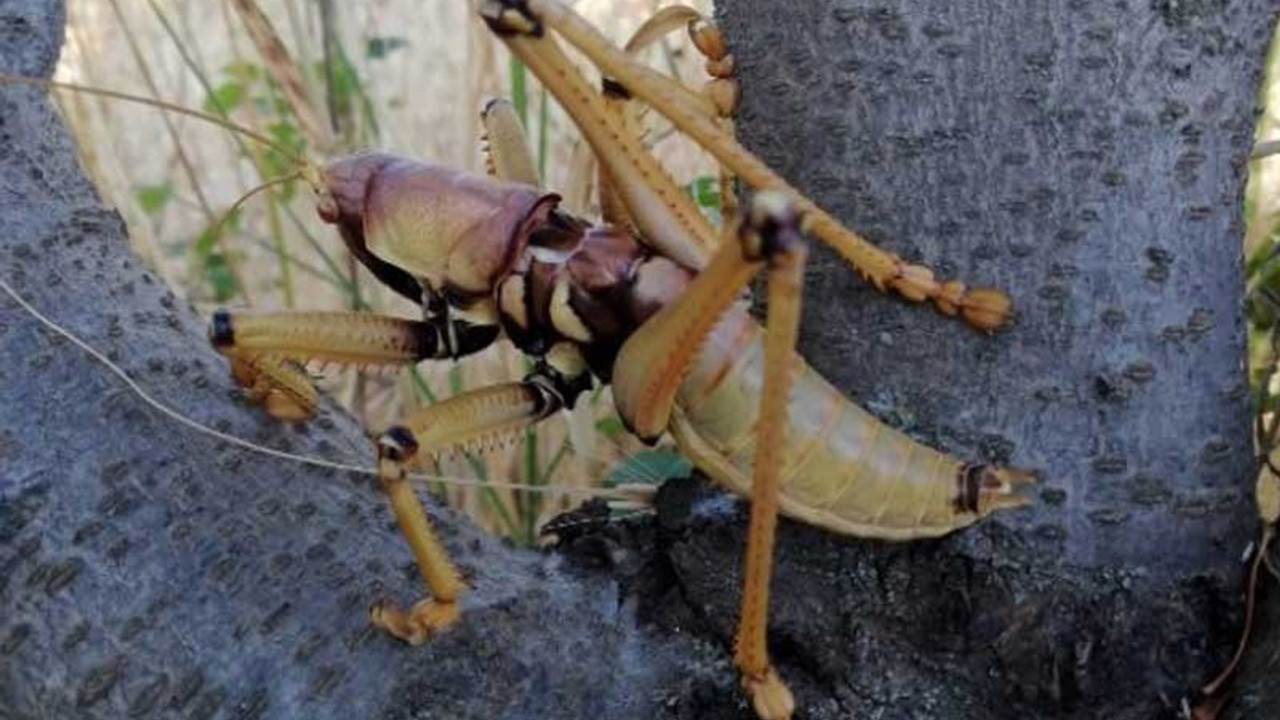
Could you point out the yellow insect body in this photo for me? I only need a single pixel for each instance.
(843, 469)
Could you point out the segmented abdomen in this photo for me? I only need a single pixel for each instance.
(843, 469)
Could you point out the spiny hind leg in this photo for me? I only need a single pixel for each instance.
(654, 360)
(669, 220)
(472, 420)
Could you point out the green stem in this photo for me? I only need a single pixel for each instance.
(520, 91)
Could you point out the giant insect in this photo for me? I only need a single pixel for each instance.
(647, 301)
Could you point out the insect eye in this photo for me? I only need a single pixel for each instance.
(327, 206)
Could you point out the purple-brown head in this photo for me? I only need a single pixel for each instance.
(341, 196)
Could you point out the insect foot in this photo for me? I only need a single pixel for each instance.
(424, 619)
(770, 697)
(986, 309)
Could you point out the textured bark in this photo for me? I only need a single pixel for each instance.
(1086, 159)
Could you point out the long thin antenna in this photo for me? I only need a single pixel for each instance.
(240, 201)
(166, 106)
(617, 494)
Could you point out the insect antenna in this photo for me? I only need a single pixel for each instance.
(9, 79)
(307, 170)
(240, 201)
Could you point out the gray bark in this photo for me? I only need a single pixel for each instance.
(146, 571)
(1088, 158)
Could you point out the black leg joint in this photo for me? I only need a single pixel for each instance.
(554, 390)
(614, 89)
(465, 339)
(772, 227)
(497, 15)
(221, 333)
(397, 443)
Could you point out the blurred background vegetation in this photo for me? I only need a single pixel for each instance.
(410, 77)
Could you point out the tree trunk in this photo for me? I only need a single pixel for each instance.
(149, 571)
(1089, 159)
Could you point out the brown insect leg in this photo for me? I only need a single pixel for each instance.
(722, 92)
(652, 363)
(507, 152)
(474, 419)
(662, 211)
(280, 386)
(338, 337)
(717, 99)
(396, 449)
(650, 368)
(775, 227)
(267, 350)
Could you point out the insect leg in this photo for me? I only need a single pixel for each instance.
(476, 419)
(784, 251)
(507, 151)
(663, 212)
(716, 100)
(652, 363)
(984, 308)
(396, 450)
(650, 369)
(267, 350)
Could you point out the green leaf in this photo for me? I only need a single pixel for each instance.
(705, 191)
(244, 73)
(377, 48)
(218, 274)
(345, 87)
(520, 90)
(610, 426)
(224, 98)
(274, 165)
(287, 134)
(1261, 255)
(153, 198)
(649, 466)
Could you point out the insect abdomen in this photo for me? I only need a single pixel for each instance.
(843, 469)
